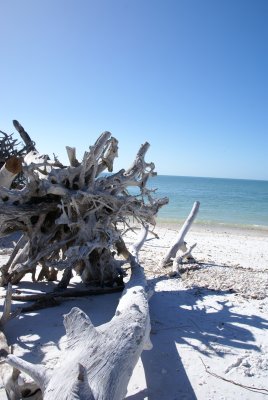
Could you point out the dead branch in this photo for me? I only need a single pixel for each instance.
(179, 242)
(30, 145)
(67, 293)
(250, 388)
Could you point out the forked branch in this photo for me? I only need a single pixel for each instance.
(179, 241)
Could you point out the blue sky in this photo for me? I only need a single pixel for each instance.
(188, 76)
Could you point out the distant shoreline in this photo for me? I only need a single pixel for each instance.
(214, 177)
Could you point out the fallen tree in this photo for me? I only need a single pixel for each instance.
(97, 362)
(72, 217)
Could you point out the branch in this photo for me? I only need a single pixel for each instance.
(250, 388)
(181, 235)
(177, 261)
(9, 171)
(67, 293)
(37, 372)
(135, 248)
(30, 145)
(7, 315)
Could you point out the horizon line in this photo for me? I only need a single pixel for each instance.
(213, 177)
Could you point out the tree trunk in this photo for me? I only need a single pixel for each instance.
(97, 363)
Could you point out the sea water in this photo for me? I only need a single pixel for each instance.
(233, 202)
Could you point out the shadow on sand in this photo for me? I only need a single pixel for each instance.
(179, 319)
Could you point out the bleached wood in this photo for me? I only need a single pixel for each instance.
(71, 152)
(6, 314)
(6, 177)
(179, 241)
(38, 372)
(9, 171)
(178, 260)
(97, 362)
(8, 374)
(135, 248)
(69, 216)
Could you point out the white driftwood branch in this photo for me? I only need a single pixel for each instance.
(9, 374)
(135, 248)
(7, 314)
(37, 372)
(97, 362)
(171, 254)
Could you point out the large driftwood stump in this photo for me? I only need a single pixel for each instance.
(72, 218)
(97, 363)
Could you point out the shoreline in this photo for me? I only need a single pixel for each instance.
(240, 230)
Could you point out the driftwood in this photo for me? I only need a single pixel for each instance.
(8, 172)
(73, 218)
(11, 154)
(9, 375)
(179, 242)
(98, 362)
(29, 144)
(52, 299)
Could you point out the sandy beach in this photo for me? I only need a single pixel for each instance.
(209, 323)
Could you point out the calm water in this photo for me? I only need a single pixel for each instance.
(233, 202)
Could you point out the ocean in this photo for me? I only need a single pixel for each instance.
(226, 202)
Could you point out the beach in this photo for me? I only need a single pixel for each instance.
(208, 324)
(210, 320)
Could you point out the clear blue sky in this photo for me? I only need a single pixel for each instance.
(188, 76)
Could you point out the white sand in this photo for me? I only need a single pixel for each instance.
(215, 314)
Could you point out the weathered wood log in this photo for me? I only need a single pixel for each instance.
(53, 299)
(97, 362)
(179, 241)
